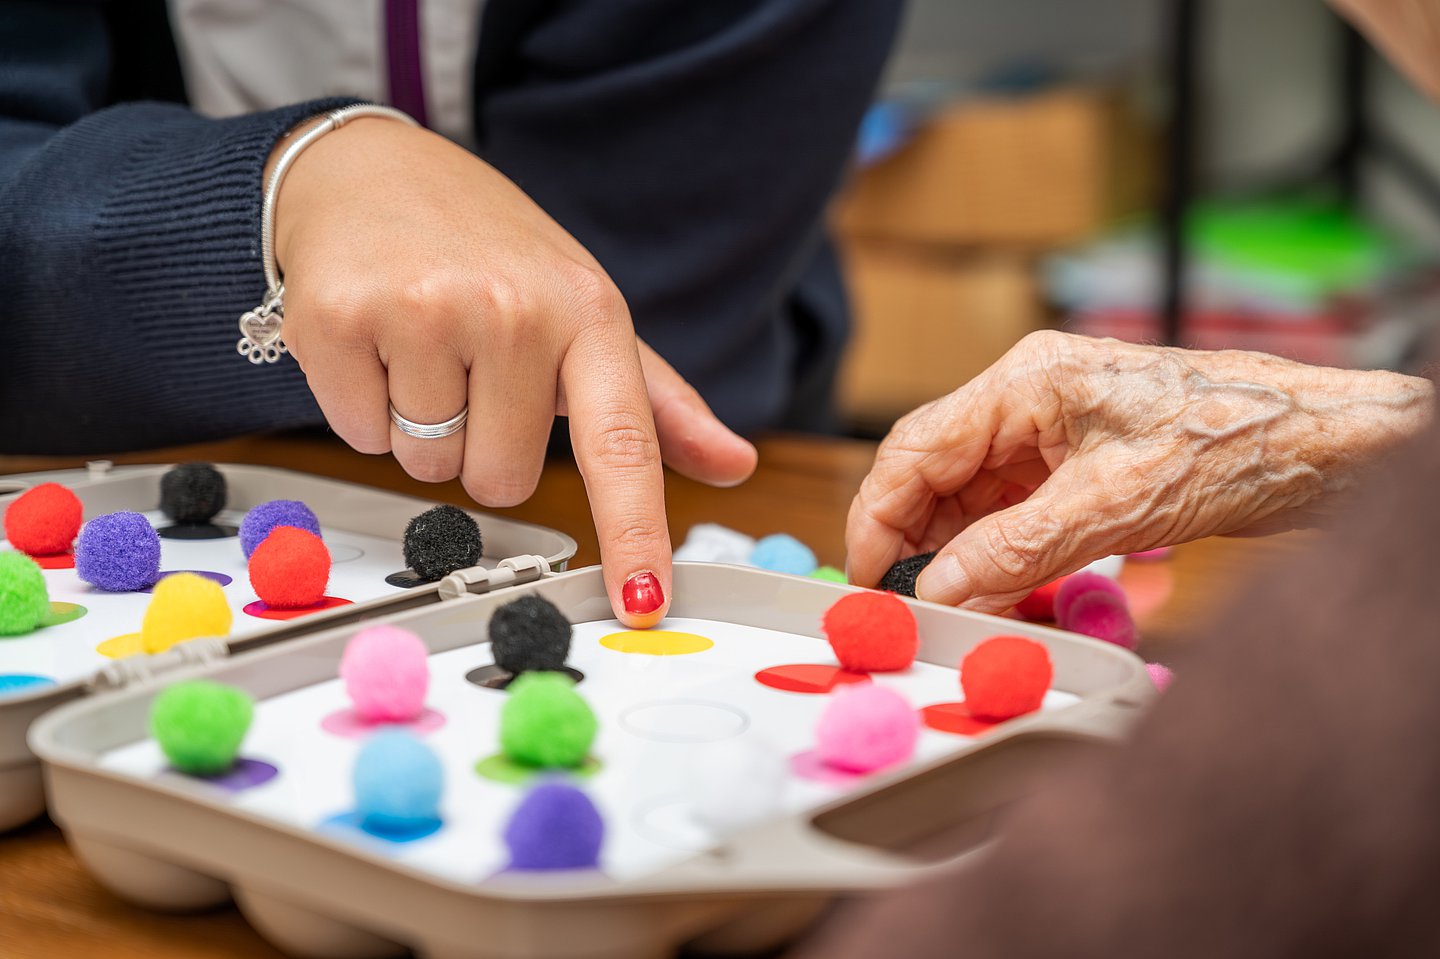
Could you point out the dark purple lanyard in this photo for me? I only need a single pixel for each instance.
(402, 51)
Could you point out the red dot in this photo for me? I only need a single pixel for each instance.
(816, 678)
(955, 718)
(259, 610)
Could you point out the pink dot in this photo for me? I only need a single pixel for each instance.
(351, 725)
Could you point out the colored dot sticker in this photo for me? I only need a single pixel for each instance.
(118, 647)
(244, 774)
(352, 822)
(656, 642)
(501, 768)
(955, 718)
(808, 765)
(13, 684)
(351, 725)
(219, 578)
(196, 531)
(62, 613)
(813, 678)
(58, 561)
(260, 610)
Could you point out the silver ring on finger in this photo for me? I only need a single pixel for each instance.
(429, 431)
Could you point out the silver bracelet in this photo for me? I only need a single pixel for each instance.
(261, 328)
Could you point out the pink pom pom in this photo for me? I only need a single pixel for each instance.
(1160, 675)
(386, 674)
(1152, 555)
(1103, 616)
(866, 727)
(1078, 584)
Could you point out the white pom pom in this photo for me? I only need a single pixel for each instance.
(736, 783)
(713, 543)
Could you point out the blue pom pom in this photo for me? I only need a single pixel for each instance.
(260, 520)
(783, 553)
(556, 826)
(398, 782)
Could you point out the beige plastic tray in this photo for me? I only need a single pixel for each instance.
(339, 506)
(168, 845)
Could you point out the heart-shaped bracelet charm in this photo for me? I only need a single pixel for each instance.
(260, 334)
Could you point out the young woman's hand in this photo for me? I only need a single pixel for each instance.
(417, 275)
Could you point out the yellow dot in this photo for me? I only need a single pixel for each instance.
(183, 607)
(656, 642)
(121, 646)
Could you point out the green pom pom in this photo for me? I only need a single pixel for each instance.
(24, 602)
(830, 574)
(200, 725)
(545, 722)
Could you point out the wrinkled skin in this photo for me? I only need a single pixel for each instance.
(1070, 449)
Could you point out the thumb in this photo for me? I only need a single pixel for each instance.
(999, 559)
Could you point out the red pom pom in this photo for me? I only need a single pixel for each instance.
(1005, 676)
(290, 569)
(872, 632)
(1039, 606)
(43, 521)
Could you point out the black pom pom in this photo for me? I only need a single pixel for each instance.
(901, 577)
(192, 493)
(441, 540)
(529, 634)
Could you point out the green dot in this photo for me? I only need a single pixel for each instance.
(200, 724)
(501, 768)
(545, 723)
(830, 574)
(24, 602)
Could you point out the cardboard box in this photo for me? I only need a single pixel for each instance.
(1032, 172)
(926, 321)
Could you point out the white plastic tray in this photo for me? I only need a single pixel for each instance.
(172, 842)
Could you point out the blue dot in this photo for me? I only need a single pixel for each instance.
(15, 683)
(782, 553)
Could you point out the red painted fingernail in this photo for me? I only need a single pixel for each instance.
(642, 593)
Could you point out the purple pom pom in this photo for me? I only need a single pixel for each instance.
(118, 552)
(258, 523)
(556, 826)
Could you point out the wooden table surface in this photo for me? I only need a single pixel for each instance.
(50, 907)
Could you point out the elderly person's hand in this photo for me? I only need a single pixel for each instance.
(1069, 449)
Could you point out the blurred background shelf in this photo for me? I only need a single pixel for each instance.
(1214, 173)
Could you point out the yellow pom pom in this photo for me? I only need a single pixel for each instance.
(183, 607)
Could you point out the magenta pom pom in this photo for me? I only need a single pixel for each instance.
(118, 552)
(1103, 616)
(866, 727)
(386, 674)
(1160, 675)
(1078, 584)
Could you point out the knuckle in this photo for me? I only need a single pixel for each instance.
(1014, 550)
(641, 536)
(622, 439)
(500, 492)
(592, 294)
(430, 469)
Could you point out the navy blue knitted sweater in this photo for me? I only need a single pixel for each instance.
(691, 147)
